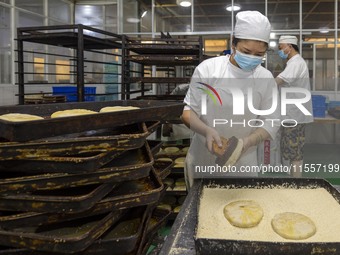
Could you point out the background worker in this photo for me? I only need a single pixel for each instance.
(295, 74)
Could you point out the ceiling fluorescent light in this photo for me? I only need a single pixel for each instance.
(133, 20)
(235, 7)
(324, 30)
(272, 44)
(184, 3)
(144, 13)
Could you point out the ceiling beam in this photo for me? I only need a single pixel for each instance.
(311, 10)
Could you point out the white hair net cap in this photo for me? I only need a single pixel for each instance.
(252, 25)
(288, 39)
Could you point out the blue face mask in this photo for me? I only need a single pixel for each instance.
(247, 62)
(282, 54)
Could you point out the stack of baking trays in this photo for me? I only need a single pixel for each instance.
(176, 191)
(84, 184)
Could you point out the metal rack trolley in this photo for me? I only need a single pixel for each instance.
(77, 37)
(165, 54)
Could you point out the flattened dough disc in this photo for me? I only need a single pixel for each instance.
(16, 117)
(71, 112)
(171, 149)
(118, 108)
(243, 213)
(294, 226)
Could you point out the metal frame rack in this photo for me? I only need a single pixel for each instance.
(165, 54)
(138, 56)
(79, 38)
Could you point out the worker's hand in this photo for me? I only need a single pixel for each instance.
(255, 138)
(210, 136)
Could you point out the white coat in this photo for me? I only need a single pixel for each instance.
(222, 75)
(296, 75)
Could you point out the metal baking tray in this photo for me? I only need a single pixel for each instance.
(135, 193)
(163, 168)
(129, 194)
(158, 220)
(130, 240)
(30, 130)
(163, 60)
(80, 163)
(152, 126)
(68, 200)
(71, 146)
(169, 47)
(123, 138)
(155, 146)
(6, 250)
(15, 219)
(125, 236)
(105, 245)
(63, 237)
(174, 155)
(130, 165)
(238, 247)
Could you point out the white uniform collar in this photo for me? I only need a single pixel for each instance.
(295, 56)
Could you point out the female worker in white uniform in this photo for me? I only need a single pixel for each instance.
(220, 87)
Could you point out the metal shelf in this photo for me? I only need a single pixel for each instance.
(79, 38)
(69, 39)
(167, 55)
(158, 80)
(164, 60)
(162, 46)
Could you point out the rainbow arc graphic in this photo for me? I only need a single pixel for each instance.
(211, 92)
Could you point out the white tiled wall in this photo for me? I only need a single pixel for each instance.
(7, 94)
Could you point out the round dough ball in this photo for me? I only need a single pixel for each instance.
(179, 162)
(71, 112)
(180, 182)
(177, 209)
(171, 149)
(185, 149)
(294, 226)
(169, 181)
(180, 188)
(164, 206)
(164, 159)
(118, 108)
(243, 213)
(16, 117)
